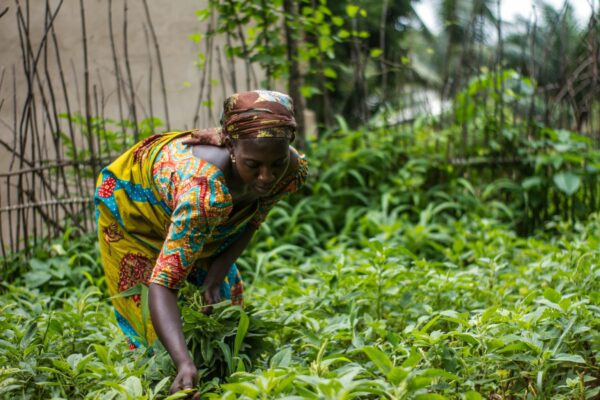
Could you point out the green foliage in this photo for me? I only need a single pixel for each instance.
(537, 171)
(391, 276)
(64, 262)
(494, 313)
(256, 29)
(361, 57)
(231, 340)
(401, 271)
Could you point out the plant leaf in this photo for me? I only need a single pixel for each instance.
(241, 332)
(574, 358)
(567, 182)
(379, 358)
(282, 358)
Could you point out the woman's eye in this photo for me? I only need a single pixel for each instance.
(252, 165)
(281, 163)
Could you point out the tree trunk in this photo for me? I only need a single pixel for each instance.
(295, 76)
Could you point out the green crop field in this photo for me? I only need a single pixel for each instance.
(359, 288)
(446, 244)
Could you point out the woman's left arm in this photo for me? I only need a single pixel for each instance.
(222, 263)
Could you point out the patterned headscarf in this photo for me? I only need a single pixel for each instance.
(250, 115)
(257, 114)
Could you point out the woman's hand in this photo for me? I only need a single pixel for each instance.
(194, 138)
(167, 323)
(220, 266)
(187, 377)
(211, 295)
(208, 136)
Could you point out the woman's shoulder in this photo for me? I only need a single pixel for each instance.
(183, 157)
(217, 156)
(177, 170)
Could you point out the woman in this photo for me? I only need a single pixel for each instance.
(183, 206)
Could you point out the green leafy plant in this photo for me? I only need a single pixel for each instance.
(230, 340)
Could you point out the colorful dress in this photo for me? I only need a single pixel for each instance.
(162, 213)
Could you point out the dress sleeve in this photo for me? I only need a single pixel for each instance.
(201, 205)
(291, 183)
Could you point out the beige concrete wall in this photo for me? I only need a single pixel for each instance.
(173, 22)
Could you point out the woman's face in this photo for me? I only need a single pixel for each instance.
(261, 162)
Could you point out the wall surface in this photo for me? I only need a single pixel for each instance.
(173, 23)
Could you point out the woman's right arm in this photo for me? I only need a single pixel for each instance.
(166, 319)
(201, 205)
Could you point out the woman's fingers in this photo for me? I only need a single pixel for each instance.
(177, 386)
(192, 139)
(210, 299)
(207, 300)
(216, 295)
(174, 388)
(211, 295)
(207, 297)
(186, 379)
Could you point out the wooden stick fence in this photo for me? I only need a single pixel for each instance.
(57, 151)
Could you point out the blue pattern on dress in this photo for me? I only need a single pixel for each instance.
(127, 329)
(135, 192)
(197, 276)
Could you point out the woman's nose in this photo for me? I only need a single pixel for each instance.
(266, 176)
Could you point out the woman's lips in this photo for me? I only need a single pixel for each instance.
(263, 189)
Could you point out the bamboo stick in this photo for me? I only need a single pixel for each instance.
(159, 61)
(132, 106)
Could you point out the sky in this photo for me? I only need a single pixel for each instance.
(510, 9)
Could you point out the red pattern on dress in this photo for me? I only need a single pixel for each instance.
(134, 269)
(107, 187)
(237, 293)
(196, 181)
(144, 147)
(173, 260)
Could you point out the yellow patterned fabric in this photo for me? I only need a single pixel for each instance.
(162, 213)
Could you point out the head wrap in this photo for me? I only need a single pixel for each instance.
(251, 115)
(258, 114)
